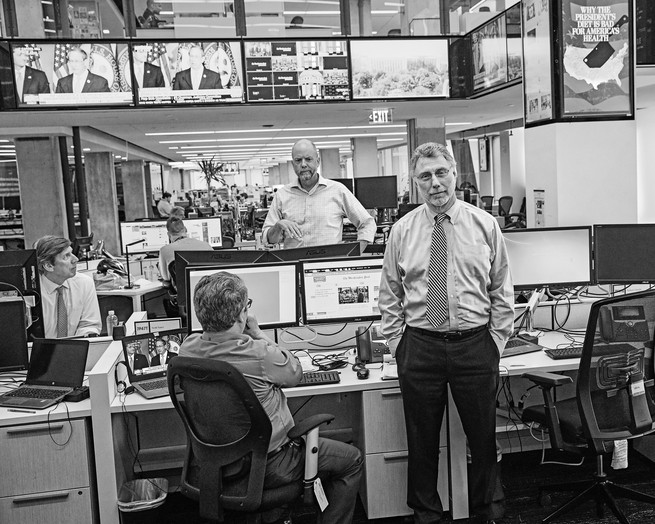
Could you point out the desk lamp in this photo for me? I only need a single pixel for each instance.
(127, 262)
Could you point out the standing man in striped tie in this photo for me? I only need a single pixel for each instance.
(446, 298)
(69, 300)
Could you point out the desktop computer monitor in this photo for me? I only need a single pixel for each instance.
(549, 257)
(19, 277)
(13, 343)
(341, 290)
(377, 191)
(624, 253)
(154, 234)
(273, 289)
(347, 249)
(220, 257)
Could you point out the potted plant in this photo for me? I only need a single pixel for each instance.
(212, 170)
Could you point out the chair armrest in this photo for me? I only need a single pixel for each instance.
(306, 425)
(547, 380)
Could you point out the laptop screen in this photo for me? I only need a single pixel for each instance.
(157, 324)
(148, 354)
(57, 362)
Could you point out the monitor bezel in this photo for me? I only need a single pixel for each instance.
(346, 249)
(263, 325)
(26, 258)
(599, 280)
(338, 320)
(565, 283)
(21, 351)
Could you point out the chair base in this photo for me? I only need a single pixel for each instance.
(603, 492)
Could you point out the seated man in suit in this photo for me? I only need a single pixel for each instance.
(69, 300)
(145, 73)
(163, 355)
(81, 80)
(232, 335)
(136, 359)
(29, 81)
(197, 76)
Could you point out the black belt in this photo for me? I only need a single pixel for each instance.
(288, 444)
(449, 335)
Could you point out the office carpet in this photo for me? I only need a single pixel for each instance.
(522, 476)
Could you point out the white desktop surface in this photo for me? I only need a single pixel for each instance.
(144, 287)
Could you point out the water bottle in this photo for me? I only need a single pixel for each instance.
(112, 320)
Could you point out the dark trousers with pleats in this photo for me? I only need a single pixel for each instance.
(426, 366)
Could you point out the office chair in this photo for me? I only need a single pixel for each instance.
(516, 220)
(488, 202)
(614, 396)
(171, 306)
(228, 433)
(505, 205)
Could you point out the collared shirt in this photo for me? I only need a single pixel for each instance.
(81, 304)
(164, 207)
(20, 81)
(480, 289)
(266, 367)
(167, 253)
(79, 81)
(196, 77)
(138, 73)
(319, 213)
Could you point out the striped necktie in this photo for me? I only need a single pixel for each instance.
(436, 301)
(62, 314)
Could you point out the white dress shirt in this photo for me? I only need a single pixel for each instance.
(79, 81)
(81, 304)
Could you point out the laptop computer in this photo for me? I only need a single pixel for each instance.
(145, 369)
(56, 368)
(517, 345)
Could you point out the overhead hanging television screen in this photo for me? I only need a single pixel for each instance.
(489, 46)
(399, 68)
(297, 70)
(206, 72)
(85, 73)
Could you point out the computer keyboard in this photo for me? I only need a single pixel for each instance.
(317, 378)
(149, 385)
(36, 393)
(560, 353)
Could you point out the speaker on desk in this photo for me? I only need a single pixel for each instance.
(363, 344)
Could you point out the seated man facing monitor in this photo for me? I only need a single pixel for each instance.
(231, 335)
(69, 300)
(310, 211)
(179, 241)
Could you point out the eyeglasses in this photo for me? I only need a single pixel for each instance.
(249, 303)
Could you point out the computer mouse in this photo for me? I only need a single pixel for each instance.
(362, 374)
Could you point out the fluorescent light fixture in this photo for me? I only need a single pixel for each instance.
(384, 12)
(273, 130)
(395, 4)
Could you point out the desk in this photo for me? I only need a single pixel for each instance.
(147, 291)
(110, 473)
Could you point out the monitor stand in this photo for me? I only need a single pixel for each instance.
(535, 298)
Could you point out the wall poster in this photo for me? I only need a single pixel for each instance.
(596, 58)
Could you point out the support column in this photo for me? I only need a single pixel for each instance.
(420, 131)
(135, 197)
(584, 179)
(290, 174)
(41, 188)
(274, 175)
(103, 201)
(365, 157)
(330, 167)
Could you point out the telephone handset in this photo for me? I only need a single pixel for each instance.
(623, 324)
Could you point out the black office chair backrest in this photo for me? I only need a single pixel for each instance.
(228, 432)
(505, 205)
(615, 380)
(172, 271)
(227, 242)
(488, 201)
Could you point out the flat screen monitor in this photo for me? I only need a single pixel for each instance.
(19, 275)
(13, 343)
(377, 191)
(624, 253)
(288, 70)
(489, 47)
(341, 290)
(273, 289)
(347, 249)
(207, 72)
(399, 68)
(403, 209)
(348, 182)
(221, 257)
(155, 235)
(72, 74)
(549, 256)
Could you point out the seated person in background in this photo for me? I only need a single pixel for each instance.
(179, 241)
(231, 335)
(164, 206)
(69, 300)
(163, 355)
(310, 211)
(136, 359)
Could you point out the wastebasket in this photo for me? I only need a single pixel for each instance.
(139, 500)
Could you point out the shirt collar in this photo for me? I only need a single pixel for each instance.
(49, 286)
(452, 213)
(321, 182)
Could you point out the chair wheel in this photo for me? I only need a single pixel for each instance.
(544, 500)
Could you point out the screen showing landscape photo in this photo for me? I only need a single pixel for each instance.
(399, 68)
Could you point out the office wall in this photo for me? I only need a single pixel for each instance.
(646, 164)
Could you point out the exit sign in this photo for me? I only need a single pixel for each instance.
(380, 116)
